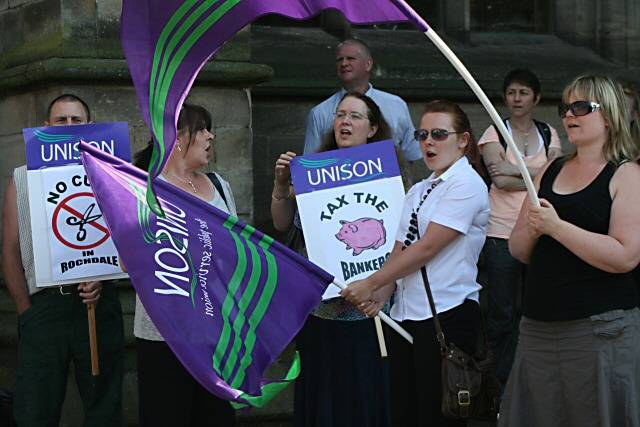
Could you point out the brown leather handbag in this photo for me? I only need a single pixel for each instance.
(469, 388)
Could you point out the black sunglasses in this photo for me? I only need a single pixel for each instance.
(578, 108)
(436, 134)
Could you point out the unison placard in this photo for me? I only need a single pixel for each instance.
(350, 202)
(71, 242)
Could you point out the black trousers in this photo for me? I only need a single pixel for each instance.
(344, 382)
(168, 394)
(415, 369)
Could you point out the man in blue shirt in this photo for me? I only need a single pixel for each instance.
(354, 65)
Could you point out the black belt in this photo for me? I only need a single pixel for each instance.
(59, 290)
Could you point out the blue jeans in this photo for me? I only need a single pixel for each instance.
(503, 293)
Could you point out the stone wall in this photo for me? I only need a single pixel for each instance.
(48, 47)
(611, 27)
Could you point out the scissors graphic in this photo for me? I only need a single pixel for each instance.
(81, 222)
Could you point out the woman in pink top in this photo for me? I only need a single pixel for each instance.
(537, 142)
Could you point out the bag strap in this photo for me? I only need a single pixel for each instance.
(500, 137)
(545, 131)
(542, 128)
(439, 333)
(218, 185)
(436, 320)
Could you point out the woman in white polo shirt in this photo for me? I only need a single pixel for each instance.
(443, 227)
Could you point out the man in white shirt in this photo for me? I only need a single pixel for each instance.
(354, 65)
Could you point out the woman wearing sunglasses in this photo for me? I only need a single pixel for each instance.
(343, 382)
(577, 362)
(536, 142)
(442, 228)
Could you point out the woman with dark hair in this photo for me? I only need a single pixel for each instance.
(168, 394)
(536, 142)
(442, 229)
(375, 118)
(577, 361)
(343, 382)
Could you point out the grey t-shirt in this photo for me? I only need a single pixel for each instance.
(143, 327)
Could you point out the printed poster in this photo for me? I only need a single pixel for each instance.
(350, 202)
(71, 242)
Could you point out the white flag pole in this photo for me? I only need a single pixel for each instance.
(380, 334)
(466, 75)
(386, 319)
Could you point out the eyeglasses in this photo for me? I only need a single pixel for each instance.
(436, 134)
(353, 115)
(578, 108)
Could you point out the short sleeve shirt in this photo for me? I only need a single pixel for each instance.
(458, 201)
(505, 205)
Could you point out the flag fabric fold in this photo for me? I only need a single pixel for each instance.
(226, 298)
(167, 42)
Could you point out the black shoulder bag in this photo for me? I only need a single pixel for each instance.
(469, 388)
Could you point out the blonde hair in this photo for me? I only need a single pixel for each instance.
(613, 102)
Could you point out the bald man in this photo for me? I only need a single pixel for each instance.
(354, 65)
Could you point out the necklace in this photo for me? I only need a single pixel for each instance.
(186, 181)
(525, 134)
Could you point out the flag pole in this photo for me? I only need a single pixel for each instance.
(477, 90)
(380, 334)
(93, 339)
(386, 319)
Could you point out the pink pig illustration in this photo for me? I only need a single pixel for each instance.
(362, 234)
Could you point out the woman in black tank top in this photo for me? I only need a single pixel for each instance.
(576, 358)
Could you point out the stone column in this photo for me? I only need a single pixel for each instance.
(577, 21)
(632, 24)
(612, 41)
(458, 18)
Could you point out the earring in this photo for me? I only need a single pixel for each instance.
(179, 148)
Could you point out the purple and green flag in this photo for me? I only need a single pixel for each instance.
(226, 298)
(167, 42)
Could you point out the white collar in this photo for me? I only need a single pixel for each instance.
(461, 163)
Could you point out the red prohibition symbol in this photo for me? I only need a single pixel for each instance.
(80, 220)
